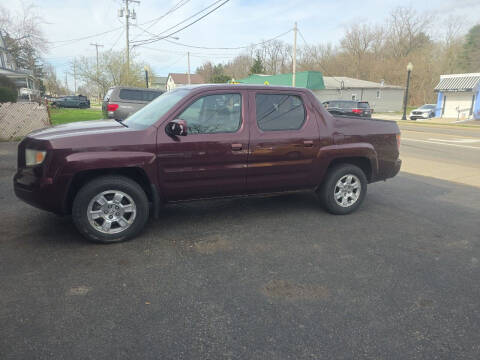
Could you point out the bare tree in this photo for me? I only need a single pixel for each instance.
(406, 31)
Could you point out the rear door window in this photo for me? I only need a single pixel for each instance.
(138, 95)
(363, 105)
(132, 95)
(279, 112)
(150, 95)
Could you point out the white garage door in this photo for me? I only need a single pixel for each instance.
(458, 101)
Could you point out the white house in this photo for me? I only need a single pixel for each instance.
(175, 80)
(458, 96)
(381, 97)
(24, 80)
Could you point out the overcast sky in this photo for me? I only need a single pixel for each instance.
(238, 23)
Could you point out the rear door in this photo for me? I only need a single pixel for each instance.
(284, 142)
(212, 159)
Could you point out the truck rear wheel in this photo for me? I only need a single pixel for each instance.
(110, 209)
(344, 189)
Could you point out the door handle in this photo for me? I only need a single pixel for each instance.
(237, 147)
(308, 143)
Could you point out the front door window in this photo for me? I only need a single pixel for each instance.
(211, 114)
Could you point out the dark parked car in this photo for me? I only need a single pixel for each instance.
(73, 101)
(202, 142)
(348, 108)
(423, 112)
(120, 101)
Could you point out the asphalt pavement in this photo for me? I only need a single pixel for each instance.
(259, 278)
(443, 152)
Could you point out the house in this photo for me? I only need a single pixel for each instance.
(158, 82)
(175, 80)
(382, 97)
(458, 96)
(27, 84)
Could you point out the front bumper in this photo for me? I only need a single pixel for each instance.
(41, 192)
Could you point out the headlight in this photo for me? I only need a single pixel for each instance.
(34, 157)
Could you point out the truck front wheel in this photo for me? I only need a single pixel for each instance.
(110, 209)
(344, 189)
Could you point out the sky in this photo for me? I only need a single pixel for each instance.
(237, 23)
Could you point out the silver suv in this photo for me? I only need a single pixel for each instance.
(122, 101)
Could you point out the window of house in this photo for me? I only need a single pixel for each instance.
(354, 97)
(279, 112)
(220, 113)
(379, 94)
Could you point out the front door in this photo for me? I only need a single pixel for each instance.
(212, 159)
(284, 142)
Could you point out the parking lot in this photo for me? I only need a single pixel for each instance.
(257, 278)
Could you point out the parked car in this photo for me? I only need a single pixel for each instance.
(73, 101)
(120, 101)
(202, 142)
(423, 112)
(348, 108)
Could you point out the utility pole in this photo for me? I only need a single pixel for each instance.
(98, 74)
(66, 82)
(127, 15)
(75, 76)
(188, 73)
(294, 54)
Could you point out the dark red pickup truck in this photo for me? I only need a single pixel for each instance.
(202, 142)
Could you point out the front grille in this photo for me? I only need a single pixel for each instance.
(417, 113)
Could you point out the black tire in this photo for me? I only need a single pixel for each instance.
(329, 186)
(112, 183)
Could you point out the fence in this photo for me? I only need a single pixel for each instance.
(19, 119)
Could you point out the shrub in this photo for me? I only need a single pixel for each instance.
(7, 83)
(7, 95)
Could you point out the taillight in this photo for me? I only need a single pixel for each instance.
(357, 111)
(398, 140)
(112, 107)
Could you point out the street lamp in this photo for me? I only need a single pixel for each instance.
(146, 75)
(405, 100)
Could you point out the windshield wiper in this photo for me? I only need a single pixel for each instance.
(121, 122)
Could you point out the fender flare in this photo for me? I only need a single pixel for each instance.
(351, 150)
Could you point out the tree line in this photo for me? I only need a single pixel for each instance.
(373, 52)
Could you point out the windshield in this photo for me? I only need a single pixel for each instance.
(152, 112)
(427, 106)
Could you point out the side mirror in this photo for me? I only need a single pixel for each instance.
(176, 127)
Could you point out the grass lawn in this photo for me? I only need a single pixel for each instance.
(63, 116)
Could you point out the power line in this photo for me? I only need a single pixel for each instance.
(227, 48)
(181, 22)
(321, 66)
(177, 6)
(149, 41)
(174, 8)
(83, 38)
(112, 30)
(116, 41)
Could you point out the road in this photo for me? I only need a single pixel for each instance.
(263, 278)
(443, 152)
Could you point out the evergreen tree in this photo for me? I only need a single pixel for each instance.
(257, 67)
(470, 56)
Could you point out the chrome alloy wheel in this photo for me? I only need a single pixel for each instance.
(347, 190)
(111, 212)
